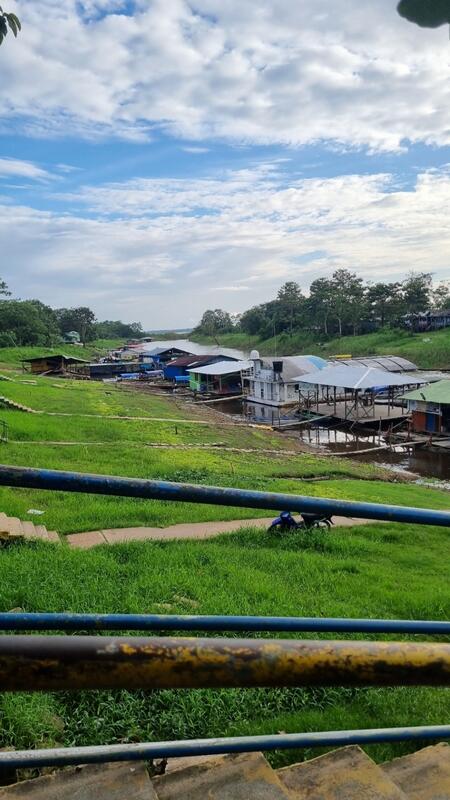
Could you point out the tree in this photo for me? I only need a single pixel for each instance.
(440, 296)
(80, 319)
(4, 289)
(426, 13)
(115, 329)
(348, 297)
(416, 292)
(215, 321)
(290, 305)
(27, 322)
(383, 301)
(320, 303)
(8, 21)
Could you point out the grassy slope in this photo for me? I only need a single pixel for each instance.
(429, 350)
(378, 571)
(388, 570)
(122, 447)
(12, 356)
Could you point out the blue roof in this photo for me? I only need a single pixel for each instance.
(318, 362)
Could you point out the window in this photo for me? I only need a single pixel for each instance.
(262, 391)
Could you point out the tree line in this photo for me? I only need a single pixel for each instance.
(30, 322)
(340, 305)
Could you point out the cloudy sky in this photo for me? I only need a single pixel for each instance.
(160, 157)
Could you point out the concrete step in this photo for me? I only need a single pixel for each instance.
(53, 536)
(31, 531)
(127, 781)
(233, 777)
(344, 774)
(424, 775)
(41, 532)
(14, 528)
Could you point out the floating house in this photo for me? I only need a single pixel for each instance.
(53, 364)
(221, 378)
(274, 380)
(179, 367)
(430, 408)
(166, 350)
(350, 393)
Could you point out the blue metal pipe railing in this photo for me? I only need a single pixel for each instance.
(64, 756)
(27, 477)
(203, 622)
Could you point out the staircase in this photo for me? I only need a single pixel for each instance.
(5, 402)
(13, 529)
(344, 774)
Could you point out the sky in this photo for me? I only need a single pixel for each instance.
(161, 157)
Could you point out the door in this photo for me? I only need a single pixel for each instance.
(431, 422)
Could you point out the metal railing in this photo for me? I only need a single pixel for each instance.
(33, 663)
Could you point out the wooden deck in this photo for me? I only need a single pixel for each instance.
(372, 415)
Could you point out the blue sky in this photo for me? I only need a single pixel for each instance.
(160, 157)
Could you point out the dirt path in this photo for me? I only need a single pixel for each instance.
(194, 530)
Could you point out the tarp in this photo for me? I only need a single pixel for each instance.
(435, 393)
(357, 377)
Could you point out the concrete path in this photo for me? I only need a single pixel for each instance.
(189, 530)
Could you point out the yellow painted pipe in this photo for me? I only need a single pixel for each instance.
(29, 663)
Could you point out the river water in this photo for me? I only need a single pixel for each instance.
(426, 463)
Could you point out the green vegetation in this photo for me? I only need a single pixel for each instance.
(374, 570)
(156, 437)
(11, 357)
(427, 350)
(378, 571)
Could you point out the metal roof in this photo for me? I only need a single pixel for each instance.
(223, 368)
(188, 347)
(389, 363)
(295, 365)
(434, 393)
(53, 356)
(357, 377)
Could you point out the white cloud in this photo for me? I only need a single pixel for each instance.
(272, 71)
(22, 169)
(156, 250)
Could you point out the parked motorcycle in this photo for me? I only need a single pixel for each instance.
(286, 522)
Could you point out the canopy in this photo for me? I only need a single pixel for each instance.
(435, 393)
(223, 368)
(357, 377)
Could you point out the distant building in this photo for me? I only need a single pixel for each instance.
(430, 408)
(274, 380)
(179, 367)
(425, 321)
(52, 364)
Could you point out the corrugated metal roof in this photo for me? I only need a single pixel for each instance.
(434, 393)
(223, 368)
(389, 363)
(357, 377)
(188, 347)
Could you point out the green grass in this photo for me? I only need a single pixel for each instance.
(427, 350)
(367, 571)
(385, 570)
(127, 447)
(12, 356)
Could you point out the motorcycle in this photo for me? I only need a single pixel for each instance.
(286, 522)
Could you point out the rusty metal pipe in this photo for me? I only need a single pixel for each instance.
(30, 663)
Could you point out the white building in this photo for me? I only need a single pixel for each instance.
(275, 379)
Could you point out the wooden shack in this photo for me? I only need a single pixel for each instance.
(52, 364)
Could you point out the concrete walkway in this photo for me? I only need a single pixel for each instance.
(189, 530)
